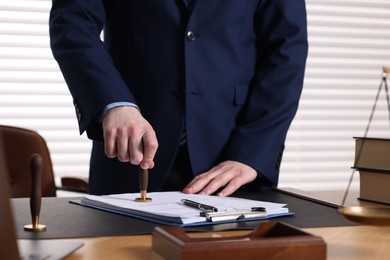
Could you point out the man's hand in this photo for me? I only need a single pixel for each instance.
(229, 174)
(128, 136)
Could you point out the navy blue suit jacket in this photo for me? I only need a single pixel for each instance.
(233, 69)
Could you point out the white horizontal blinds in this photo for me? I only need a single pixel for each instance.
(349, 43)
(32, 90)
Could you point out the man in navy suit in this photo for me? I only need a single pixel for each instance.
(201, 93)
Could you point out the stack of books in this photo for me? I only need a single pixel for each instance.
(372, 160)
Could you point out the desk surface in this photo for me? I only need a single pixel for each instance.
(343, 242)
(350, 242)
(353, 242)
(66, 220)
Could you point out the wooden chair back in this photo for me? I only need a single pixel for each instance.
(19, 144)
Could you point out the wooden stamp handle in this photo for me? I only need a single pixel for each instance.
(36, 168)
(143, 179)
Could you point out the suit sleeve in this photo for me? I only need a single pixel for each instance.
(274, 93)
(75, 27)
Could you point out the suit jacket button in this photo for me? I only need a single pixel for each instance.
(180, 92)
(79, 116)
(191, 36)
(78, 113)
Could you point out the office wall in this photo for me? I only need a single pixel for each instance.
(349, 43)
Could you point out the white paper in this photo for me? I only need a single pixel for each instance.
(169, 204)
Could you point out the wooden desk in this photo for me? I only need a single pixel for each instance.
(352, 242)
(357, 242)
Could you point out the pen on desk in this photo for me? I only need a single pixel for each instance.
(197, 205)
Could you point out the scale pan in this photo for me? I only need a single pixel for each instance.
(376, 216)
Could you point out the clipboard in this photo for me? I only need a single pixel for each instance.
(167, 210)
(234, 214)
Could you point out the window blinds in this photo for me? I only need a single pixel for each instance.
(349, 43)
(32, 90)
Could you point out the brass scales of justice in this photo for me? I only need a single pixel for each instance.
(373, 215)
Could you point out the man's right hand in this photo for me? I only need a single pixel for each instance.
(128, 136)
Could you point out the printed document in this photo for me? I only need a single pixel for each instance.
(167, 208)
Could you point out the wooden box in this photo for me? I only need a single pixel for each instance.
(270, 240)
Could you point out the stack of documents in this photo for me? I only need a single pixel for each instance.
(167, 208)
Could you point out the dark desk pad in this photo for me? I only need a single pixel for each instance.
(66, 220)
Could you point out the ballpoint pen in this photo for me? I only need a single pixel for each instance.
(197, 205)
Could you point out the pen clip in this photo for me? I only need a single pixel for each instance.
(258, 209)
(204, 213)
(223, 216)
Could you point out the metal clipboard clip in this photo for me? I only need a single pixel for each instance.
(235, 214)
